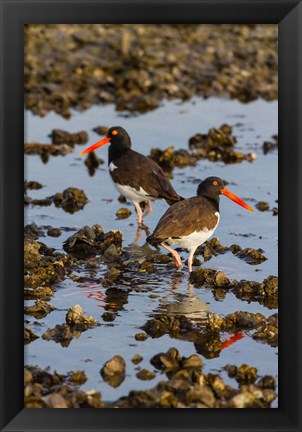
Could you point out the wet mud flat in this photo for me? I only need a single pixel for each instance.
(112, 324)
(138, 66)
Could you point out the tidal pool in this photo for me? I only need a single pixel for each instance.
(172, 124)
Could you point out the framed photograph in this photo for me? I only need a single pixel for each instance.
(150, 215)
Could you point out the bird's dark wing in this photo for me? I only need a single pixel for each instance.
(185, 217)
(148, 175)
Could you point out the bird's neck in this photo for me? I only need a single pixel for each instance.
(115, 153)
(212, 199)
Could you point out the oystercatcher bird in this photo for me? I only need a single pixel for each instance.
(189, 223)
(135, 176)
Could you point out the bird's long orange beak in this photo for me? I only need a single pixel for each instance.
(98, 144)
(235, 198)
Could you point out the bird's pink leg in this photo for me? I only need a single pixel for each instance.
(190, 259)
(139, 212)
(148, 209)
(175, 255)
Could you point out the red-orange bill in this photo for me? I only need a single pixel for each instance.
(98, 144)
(235, 198)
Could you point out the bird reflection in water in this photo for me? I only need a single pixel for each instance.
(206, 343)
(139, 233)
(187, 304)
(175, 304)
(112, 300)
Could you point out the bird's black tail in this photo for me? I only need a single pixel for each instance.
(174, 199)
(154, 240)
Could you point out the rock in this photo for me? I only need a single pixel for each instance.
(164, 324)
(141, 336)
(267, 382)
(50, 269)
(265, 293)
(201, 394)
(209, 277)
(231, 370)
(268, 332)
(108, 316)
(62, 334)
(147, 267)
(33, 231)
(77, 377)
(93, 241)
(27, 376)
(217, 145)
(214, 322)
(242, 320)
(262, 206)
(169, 158)
(145, 375)
(271, 285)
(71, 200)
(155, 69)
(46, 150)
(76, 318)
(29, 335)
(123, 213)
(242, 400)
(43, 293)
(39, 310)
(92, 162)
(59, 136)
(136, 359)
(249, 255)
(114, 371)
(217, 384)
(54, 400)
(192, 362)
(54, 232)
(41, 202)
(246, 374)
(32, 185)
(31, 252)
(101, 130)
(220, 279)
(45, 390)
(269, 146)
(166, 361)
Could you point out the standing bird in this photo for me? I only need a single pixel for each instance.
(135, 176)
(189, 223)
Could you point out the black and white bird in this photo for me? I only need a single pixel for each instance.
(189, 223)
(135, 176)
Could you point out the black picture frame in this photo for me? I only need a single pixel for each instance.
(14, 15)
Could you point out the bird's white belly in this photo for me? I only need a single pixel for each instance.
(132, 194)
(194, 239)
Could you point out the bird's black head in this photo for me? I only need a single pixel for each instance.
(211, 187)
(119, 137)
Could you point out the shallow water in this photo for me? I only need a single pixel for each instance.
(172, 124)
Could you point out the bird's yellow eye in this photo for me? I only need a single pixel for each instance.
(114, 132)
(215, 183)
